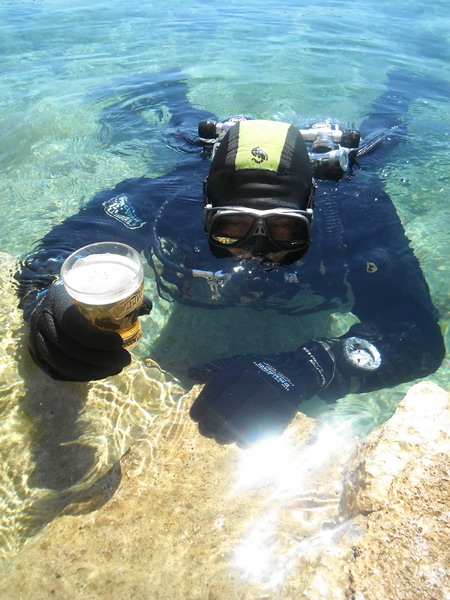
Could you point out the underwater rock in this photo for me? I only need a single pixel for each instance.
(191, 519)
(398, 488)
(417, 432)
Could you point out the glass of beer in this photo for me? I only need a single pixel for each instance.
(106, 283)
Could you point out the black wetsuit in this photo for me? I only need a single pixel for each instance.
(359, 258)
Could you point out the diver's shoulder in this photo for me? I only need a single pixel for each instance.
(175, 179)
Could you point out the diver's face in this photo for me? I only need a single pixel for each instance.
(280, 229)
(268, 234)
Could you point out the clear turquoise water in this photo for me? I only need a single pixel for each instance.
(63, 61)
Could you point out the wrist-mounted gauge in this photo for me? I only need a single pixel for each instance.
(360, 354)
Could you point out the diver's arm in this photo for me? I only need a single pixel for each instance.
(392, 299)
(392, 302)
(120, 214)
(388, 117)
(252, 396)
(163, 94)
(61, 341)
(402, 329)
(123, 214)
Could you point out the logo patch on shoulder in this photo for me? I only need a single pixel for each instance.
(120, 209)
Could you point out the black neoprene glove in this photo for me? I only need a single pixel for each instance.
(250, 397)
(67, 347)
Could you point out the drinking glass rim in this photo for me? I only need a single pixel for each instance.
(138, 277)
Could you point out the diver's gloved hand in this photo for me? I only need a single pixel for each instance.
(250, 397)
(67, 347)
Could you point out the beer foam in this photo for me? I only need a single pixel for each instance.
(102, 278)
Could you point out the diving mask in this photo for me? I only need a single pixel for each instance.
(238, 227)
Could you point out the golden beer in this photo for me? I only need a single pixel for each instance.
(105, 281)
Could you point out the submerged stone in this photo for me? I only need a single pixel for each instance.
(307, 516)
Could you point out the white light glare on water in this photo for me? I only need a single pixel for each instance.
(289, 471)
(283, 464)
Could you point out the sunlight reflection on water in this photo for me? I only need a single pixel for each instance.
(291, 472)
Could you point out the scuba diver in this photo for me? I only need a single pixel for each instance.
(288, 220)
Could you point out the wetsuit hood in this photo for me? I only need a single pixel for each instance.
(263, 165)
